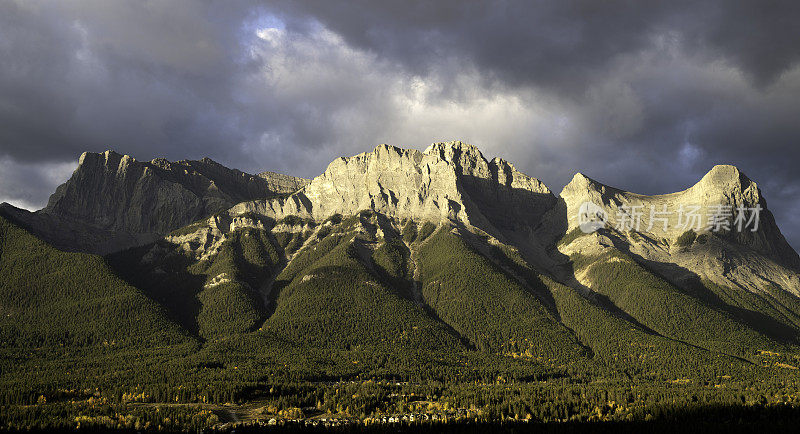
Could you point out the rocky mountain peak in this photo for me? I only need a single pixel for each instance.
(581, 183)
(467, 158)
(730, 185)
(108, 160)
(723, 184)
(450, 180)
(724, 192)
(724, 174)
(581, 179)
(116, 193)
(446, 150)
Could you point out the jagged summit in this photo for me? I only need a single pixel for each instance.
(728, 178)
(127, 201)
(453, 146)
(453, 181)
(580, 178)
(724, 172)
(457, 152)
(720, 179)
(650, 227)
(116, 192)
(581, 184)
(448, 181)
(723, 185)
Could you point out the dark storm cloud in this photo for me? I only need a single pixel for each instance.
(86, 75)
(565, 43)
(643, 95)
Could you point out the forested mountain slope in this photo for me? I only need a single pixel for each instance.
(49, 297)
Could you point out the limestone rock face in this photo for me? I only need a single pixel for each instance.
(117, 193)
(280, 183)
(447, 181)
(731, 257)
(454, 182)
(112, 201)
(723, 186)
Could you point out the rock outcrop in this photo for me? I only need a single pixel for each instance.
(723, 191)
(281, 183)
(116, 192)
(454, 182)
(688, 249)
(448, 181)
(74, 235)
(113, 201)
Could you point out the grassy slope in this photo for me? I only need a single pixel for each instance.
(52, 297)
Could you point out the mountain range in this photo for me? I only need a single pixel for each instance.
(440, 254)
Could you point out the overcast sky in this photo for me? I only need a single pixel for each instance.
(646, 96)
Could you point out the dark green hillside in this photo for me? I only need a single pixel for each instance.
(211, 297)
(490, 309)
(771, 303)
(619, 345)
(50, 297)
(232, 303)
(391, 262)
(669, 311)
(308, 257)
(329, 297)
(627, 349)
